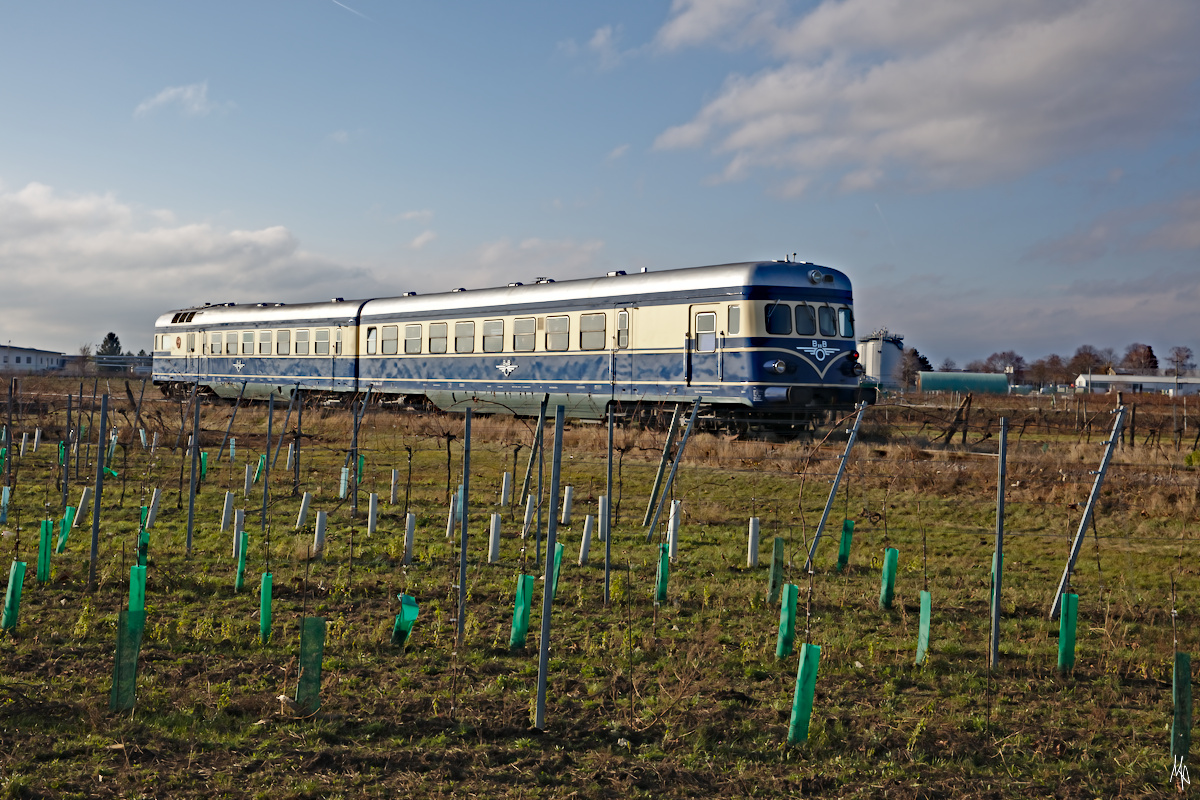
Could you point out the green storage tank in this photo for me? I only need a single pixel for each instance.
(963, 382)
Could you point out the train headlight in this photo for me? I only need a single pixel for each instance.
(778, 366)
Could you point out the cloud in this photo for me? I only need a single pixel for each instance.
(935, 93)
(423, 239)
(191, 100)
(423, 216)
(618, 152)
(78, 265)
(1169, 226)
(341, 137)
(602, 46)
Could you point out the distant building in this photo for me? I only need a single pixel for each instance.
(880, 354)
(1159, 384)
(28, 359)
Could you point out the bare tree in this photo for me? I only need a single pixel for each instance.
(947, 365)
(912, 362)
(1180, 360)
(1140, 359)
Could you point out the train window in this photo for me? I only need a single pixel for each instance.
(706, 332)
(191, 342)
(231, 343)
(493, 335)
(389, 340)
(321, 342)
(337, 342)
(825, 315)
(558, 333)
(372, 340)
(247, 342)
(437, 337)
(622, 329)
(524, 333)
(734, 326)
(846, 323)
(215, 344)
(806, 321)
(591, 332)
(779, 319)
(464, 337)
(264, 343)
(302, 343)
(283, 343)
(412, 338)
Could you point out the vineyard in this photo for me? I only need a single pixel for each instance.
(678, 686)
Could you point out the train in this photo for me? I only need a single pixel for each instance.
(760, 345)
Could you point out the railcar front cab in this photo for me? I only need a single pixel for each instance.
(803, 338)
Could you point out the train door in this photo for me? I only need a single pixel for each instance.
(702, 345)
(622, 356)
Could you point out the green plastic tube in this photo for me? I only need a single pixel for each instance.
(923, 630)
(847, 540)
(362, 467)
(129, 644)
(775, 579)
(65, 530)
(241, 567)
(1066, 632)
(405, 619)
(660, 580)
(12, 597)
(802, 702)
(203, 465)
(312, 653)
(887, 589)
(62, 453)
(1181, 725)
(45, 546)
(787, 621)
(262, 464)
(520, 625)
(264, 616)
(558, 557)
(137, 597)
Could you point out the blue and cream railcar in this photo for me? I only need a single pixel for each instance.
(759, 341)
(268, 348)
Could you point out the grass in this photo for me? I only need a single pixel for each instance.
(681, 700)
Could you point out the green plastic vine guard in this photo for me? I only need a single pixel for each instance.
(775, 579)
(262, 464)
(1181, 725)
(62, 453)
(405, 619)
(887, 588)
(65, 529)
(45, 545)
(520, 625)
(558, 557)
(923, 630)
(241, 567)
(660, 580)
(847, 540)
(203, 465)
(137, 597)
(264, 615)
(802, 702)
(362, 467)
(12, 597)
(787, 621)
(312, 652)
(1066, 632)
(129, 644)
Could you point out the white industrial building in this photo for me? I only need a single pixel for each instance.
(880, 355)
(28, 359)
(1158, 384)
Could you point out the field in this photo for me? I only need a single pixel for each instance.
(684, 698)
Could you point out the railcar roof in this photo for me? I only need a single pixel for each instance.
(690, 279)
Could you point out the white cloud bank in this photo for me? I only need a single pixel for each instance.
(935, 93)
(78, 266)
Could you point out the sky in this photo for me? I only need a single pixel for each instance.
(992, 175)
